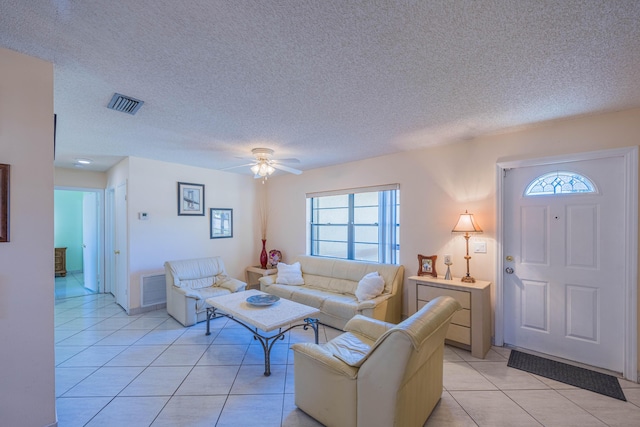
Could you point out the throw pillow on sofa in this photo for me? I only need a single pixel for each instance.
(370, 286)
(289, 274)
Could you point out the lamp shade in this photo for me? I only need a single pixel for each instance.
(467, 224)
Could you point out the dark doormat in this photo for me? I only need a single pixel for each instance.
(568, 374)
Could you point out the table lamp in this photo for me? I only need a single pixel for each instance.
(467, 224)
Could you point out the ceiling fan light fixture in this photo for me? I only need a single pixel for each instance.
(262, 169)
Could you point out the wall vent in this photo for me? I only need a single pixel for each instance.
(126, 104)
(153, 289)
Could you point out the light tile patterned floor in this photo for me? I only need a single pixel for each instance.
(71, 285)
(148, 370)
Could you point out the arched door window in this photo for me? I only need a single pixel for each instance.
(562, 182)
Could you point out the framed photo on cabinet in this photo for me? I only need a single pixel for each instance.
(427, 265)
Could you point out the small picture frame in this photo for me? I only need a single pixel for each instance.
(190, 199)
(220, 223)
(427, 265)
(4, 202)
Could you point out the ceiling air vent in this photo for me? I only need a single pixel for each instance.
(126, 104)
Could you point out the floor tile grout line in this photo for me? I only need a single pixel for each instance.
(461, 407)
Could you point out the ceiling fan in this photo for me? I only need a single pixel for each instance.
(264, 165)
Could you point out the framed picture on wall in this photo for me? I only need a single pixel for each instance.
(221, 223)
(4, 202)
(427, 265)
(190, 199)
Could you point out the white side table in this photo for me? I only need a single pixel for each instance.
(254, 273)
(470, 327)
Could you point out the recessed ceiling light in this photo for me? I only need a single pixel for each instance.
(84, 161)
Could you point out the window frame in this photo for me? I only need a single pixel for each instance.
(387, 242)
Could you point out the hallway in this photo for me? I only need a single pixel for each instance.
(72, 285)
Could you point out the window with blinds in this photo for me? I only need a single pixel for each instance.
(359, 224)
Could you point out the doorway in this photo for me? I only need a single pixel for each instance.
(117, 244)
(78, 233)
(567, 279)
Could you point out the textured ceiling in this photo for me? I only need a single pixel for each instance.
(326, 81)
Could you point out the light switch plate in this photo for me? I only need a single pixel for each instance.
(480, 247)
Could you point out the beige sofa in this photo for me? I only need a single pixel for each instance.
(376, 373)
(191, 281)
(330, 285)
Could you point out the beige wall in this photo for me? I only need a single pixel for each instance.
(152, 188)
(27, 386)
(439, 183)
(78, 178)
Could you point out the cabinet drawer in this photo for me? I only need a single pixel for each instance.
(459, 334)
(427, 293)
(462, 317)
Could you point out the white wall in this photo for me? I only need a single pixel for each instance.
(439, 183)
(153, 188)
(27, 387)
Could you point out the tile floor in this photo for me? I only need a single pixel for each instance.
(71, 285)
(147, 370)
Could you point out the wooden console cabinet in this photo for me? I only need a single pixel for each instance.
(60, 261)
(470, 327)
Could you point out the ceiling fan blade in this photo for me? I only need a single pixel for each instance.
(292, 160)
(236, 167)
(286, 168)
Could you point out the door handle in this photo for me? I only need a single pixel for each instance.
(509, 270)
(116, 252)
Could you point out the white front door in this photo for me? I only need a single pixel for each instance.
(564, 276)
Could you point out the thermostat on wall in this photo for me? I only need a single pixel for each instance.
(143, 215)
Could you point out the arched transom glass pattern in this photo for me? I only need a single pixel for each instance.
(561, 182)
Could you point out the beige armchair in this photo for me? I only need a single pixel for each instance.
(191, 281)
(376, 373)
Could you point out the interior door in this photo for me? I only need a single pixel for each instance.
(109, 241)
(90, 241)
(564, 265)
(120, 247)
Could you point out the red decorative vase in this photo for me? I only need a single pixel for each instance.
(263, 255)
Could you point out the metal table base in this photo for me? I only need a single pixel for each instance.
(266, 341)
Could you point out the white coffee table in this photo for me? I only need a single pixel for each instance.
(283, 313)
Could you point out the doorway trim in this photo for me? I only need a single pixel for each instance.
(630, 154)
(101, 228)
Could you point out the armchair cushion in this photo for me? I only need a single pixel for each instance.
(350, 348)
(321, 355)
